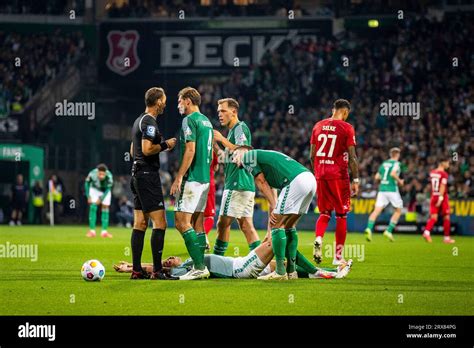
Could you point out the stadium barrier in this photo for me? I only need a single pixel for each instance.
(462, 218)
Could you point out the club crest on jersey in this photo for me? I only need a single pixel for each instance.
(241, 139)
(150, 131)
(188, 131)
(123, 57)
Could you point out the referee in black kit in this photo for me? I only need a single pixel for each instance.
(147, 143)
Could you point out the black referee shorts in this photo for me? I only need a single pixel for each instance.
(147, 191)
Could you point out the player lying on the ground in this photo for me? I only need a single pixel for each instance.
(273, 171)
(257, 263)
(98, 184)
(389, 177)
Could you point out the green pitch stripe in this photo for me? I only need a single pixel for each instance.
(282, 207)
(227, 201)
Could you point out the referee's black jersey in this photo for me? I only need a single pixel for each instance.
(145, 127)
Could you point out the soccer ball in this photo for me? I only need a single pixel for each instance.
(92, 270)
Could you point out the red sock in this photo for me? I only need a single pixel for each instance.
(429, 225)
(322, 224)
(447, 227)
(208, 223)
(341, 232)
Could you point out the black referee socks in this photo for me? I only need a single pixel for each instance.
(137, 249)
(157, 242)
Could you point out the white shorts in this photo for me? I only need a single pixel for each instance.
(296, 197)
(192, 198)
(384, 198)
(95, 194)
(249, 266)
(237, 204)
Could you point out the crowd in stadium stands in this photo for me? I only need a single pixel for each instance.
(171, 9)
(294, 87)
(43, 7)
(28, 62)
(209, 8)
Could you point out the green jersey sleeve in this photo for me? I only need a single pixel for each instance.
(189, 129)
(242, 135)
(381, 170)
(249, 162)
(109, 180)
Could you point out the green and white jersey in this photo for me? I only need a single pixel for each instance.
(238, 178)
(278, 168)
(218, 266)
(196, 127)
(93, 180)
(388, 183)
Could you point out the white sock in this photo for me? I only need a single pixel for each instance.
(319, 240)
(427, 233)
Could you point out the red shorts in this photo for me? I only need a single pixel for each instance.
(210, 209)
(443, 209)
(334, 195)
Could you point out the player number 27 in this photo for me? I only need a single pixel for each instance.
(324, 138)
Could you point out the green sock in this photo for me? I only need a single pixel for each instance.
(304, 263)
(302, 273)
(194, 250)
(254, 245)
(201, 237)
(391, 226)
(370, 225)
(291, 249)
(220, 247)
(279, 249)
(104, 216)
(92, 216)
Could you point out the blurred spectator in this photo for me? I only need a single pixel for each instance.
(43, 56)
(55, 193)
(38, 203)
(125, 213)
(19, 200)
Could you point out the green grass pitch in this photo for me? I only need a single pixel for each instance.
(408, 277)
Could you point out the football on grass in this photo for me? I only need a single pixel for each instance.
(92, 270)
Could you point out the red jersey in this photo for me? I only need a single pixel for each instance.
(438, 177)
(210, 209)
(331, 139)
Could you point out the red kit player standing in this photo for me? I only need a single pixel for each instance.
(439, 203)
(210, 210)
(332, 151)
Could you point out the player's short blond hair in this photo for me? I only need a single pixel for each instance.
(191, 94)
(394, 150)
(231, 102)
